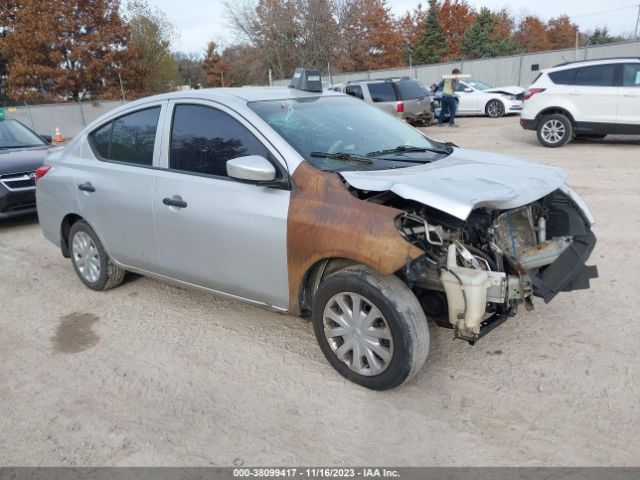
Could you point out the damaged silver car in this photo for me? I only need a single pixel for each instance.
(316, 204)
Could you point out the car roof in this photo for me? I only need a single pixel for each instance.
(587, 63)
(247, 94)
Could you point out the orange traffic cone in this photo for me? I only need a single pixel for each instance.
(58, 136)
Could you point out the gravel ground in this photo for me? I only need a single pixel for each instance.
(150, 374)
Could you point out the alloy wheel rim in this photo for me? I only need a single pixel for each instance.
(553, 131)
(358, 333)
(86, 256)
(495, 109)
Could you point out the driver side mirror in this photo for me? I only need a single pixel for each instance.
(251, 169)
(46, 138)
(468, 90)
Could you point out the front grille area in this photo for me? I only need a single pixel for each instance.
(17, 181)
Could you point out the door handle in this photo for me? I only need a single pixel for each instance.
(574, 93)
(86, 187)
(175, 201)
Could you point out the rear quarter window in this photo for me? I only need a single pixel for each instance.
(563, 77)
(382, 92)
(409, 89)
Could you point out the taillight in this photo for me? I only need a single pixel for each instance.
(400, 107)
(531, 92)
(41, 172)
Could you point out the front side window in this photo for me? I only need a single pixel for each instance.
(354, 91)
(596, 76)
(127, 139)
(631, 75)
(203, 139)
(382, 92)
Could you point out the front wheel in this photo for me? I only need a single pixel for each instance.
(494, 108)
(554, 130)
(371, 328)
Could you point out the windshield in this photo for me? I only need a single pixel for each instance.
(479, 85)
(350, 128)
(15, 135)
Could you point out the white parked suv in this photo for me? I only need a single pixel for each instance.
(587, 100)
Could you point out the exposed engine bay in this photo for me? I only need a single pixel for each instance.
(475, 273)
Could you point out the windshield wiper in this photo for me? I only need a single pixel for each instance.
(405, 149)
(352, 157)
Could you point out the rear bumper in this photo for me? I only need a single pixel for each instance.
(15, 203)
(529, 124)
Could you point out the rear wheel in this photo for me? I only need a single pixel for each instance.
(90, 260)
(370, 327)
(494, 108)
(554, 130)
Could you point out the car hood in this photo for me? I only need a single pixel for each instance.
(464, 181)
(513, 90)
(18, 160)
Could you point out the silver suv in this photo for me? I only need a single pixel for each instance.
(314, 203)
(405, 97)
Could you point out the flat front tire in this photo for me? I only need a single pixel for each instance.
(370, 327)
(90, 260)
(554, 130)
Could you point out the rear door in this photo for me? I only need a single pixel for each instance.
(629, 99)
(224, 235)
(594, 93)
(115, 181)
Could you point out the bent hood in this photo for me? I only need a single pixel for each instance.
(464, 181)
(512, 90)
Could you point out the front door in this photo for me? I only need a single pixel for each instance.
(213, 231)
(594, 94)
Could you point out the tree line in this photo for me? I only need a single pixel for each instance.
(77, 49)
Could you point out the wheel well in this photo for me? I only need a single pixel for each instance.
(552, 110)
(311, 280)
(67, 222)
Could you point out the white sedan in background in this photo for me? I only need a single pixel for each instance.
(478, 98)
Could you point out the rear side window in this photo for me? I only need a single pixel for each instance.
(128, 139)
(355, 91)
(382, 92)
(631, 75)
(409, 89)
(596, 76)
(204, 138)
(563, 77)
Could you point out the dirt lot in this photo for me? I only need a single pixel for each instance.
(149, 374)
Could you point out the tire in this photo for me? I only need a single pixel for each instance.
(494, 108)
(554, 130)
(590, 136)
(400, 345)
(90, 260)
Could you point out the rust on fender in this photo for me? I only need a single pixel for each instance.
(326, 221)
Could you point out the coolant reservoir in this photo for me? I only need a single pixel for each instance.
(467, 292)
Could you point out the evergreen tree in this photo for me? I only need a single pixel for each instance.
(481, 41)
(432, 47)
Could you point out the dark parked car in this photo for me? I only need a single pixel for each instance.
(21, 152)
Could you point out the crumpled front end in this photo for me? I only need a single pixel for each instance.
(476, 273)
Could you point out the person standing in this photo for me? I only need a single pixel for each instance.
(448, 87)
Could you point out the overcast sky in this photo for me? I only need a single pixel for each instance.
(199, 21)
